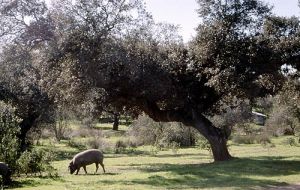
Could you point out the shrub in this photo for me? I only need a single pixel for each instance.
(61, 129)
(132, 142)
(35, 161)
(144, 131)
(120, 146)
(263, 139)
(244, 139)
(88, 121)
(82, 132)
(75, 144)
(248, 129)
(251, 139)
(174, 147)
(96, 140)
(291, 141)
(99, 143)
(285, 115)
(203, 143)
(9, 129)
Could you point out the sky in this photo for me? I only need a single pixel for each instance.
(183, 12)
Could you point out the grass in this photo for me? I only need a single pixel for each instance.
(254, 167)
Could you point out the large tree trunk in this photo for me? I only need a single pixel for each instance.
(219, 149)
(25, 126)
(216, 137)
(116, 122)
(190, 117)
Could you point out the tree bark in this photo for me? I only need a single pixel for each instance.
(116, 122)
(219, 149)
(25, 126)
(216, 137)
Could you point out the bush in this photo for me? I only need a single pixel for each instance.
(248, 129)
(76, 144)
(284, 118)
(35, 161)
(263, 139)
(291, 141)
(251, 139)
(120, 146)
(99, 143)
(203, 143)
(174, 147)
(244, 139)
(144, 131)
(9, 129)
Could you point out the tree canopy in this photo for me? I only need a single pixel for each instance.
(113, 54)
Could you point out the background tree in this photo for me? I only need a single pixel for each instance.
(285, 113)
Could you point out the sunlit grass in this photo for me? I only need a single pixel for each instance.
(254, 167)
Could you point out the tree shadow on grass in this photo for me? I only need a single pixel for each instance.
(23, 183)
(27, 182)
(131, 152)
(100, 174)
(182, 155)
(243, 173)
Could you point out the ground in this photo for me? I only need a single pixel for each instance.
(255, 166)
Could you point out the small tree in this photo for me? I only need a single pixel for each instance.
(285, 114)
(61, 125)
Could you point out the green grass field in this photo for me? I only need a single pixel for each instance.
(255, 167)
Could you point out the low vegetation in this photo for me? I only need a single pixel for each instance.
(128, 166)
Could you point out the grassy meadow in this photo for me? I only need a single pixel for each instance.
(255, 167)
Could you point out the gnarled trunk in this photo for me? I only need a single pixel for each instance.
(25, 126)
(215, 136)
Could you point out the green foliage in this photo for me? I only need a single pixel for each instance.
(144, 131)
(291, 141)
(83, 50)
(251, 139)
(120, 146)
(284, 118)
(9, 129)
(203, 144)
(248, 129)
(36, 161)
(76, 144)
(247, 139)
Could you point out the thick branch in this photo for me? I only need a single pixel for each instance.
(176, 115)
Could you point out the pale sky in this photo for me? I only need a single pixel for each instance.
(183, 12)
